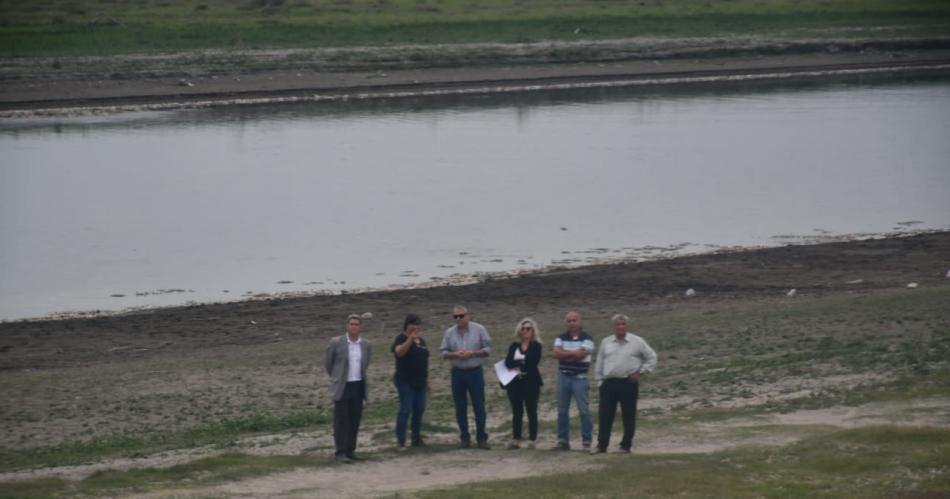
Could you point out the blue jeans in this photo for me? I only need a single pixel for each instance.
(469, 384)
(579, 388)
(411, 401)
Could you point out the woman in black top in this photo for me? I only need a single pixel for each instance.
(523, 391)
(411, 379)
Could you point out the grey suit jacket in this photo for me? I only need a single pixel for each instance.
(337, 364)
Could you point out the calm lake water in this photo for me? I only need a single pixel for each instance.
(208, 205)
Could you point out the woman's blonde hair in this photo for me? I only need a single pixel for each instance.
(534, 327)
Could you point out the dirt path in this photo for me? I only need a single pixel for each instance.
(386, 475)
(386, 472)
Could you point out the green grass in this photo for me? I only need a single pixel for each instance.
(869, 462)
(103, 27)
(224, 432)
(211, 470)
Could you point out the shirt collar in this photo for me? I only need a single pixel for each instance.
(621, 341)
(351, 342)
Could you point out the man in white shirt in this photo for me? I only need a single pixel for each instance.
(347, 359)
(621, 360)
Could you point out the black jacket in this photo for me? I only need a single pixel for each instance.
(528, 366)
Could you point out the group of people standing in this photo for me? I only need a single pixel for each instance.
(621, 360)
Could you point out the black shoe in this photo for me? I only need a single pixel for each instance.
(352, 457)
(562, 446)
(483, 444)
(342, 458)
(625, 450)
(598, 450)
(418, 442)
(465, 444)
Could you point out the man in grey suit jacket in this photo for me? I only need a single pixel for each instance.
(347, 360)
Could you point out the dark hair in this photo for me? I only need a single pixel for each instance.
(411, 319)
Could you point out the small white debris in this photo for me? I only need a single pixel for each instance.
(577, 31)
(948, 274)
(253, 323)
(856, 281)
(690, 292)
(912, 285)
(367, 315)
(791, 292)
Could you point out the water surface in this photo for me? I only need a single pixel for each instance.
(146, 209)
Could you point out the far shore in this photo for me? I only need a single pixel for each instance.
(204, 79)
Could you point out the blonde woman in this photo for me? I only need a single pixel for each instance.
(524, 354)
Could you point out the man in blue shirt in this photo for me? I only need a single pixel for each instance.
(573, 350)
(466, 345)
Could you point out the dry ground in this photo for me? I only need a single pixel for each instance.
(741, 363)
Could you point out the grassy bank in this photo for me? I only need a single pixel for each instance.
(104, 27)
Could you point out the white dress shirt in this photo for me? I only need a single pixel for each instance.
(356, 360)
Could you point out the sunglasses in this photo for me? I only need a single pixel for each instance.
(458, 316)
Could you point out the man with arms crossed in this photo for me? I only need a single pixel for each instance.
(572, 349)
(347, 360)
(621, 360)
(465, 345)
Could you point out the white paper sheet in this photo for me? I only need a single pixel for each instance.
(504, 374)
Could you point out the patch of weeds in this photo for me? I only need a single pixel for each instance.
(222, 432)
(876, 462)
(217, 469)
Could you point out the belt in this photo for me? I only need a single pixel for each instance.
(466, 369)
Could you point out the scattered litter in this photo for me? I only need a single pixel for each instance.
(577, 31)
(185, 83)
(791, 292)
(563, 228)
(912, 285)
(856, 281)
(948, 274)
(253, 323)
(690, 292)
(367, 315)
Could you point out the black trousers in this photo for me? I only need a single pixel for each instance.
(347, 413)
(523, 395)
(612, 392)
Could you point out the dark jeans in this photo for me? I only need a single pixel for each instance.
(469, 383)
(412, 400)
(523, 395)
(626, 392)
(347, 413)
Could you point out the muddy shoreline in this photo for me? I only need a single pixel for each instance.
(120, 83)
(760, 274)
